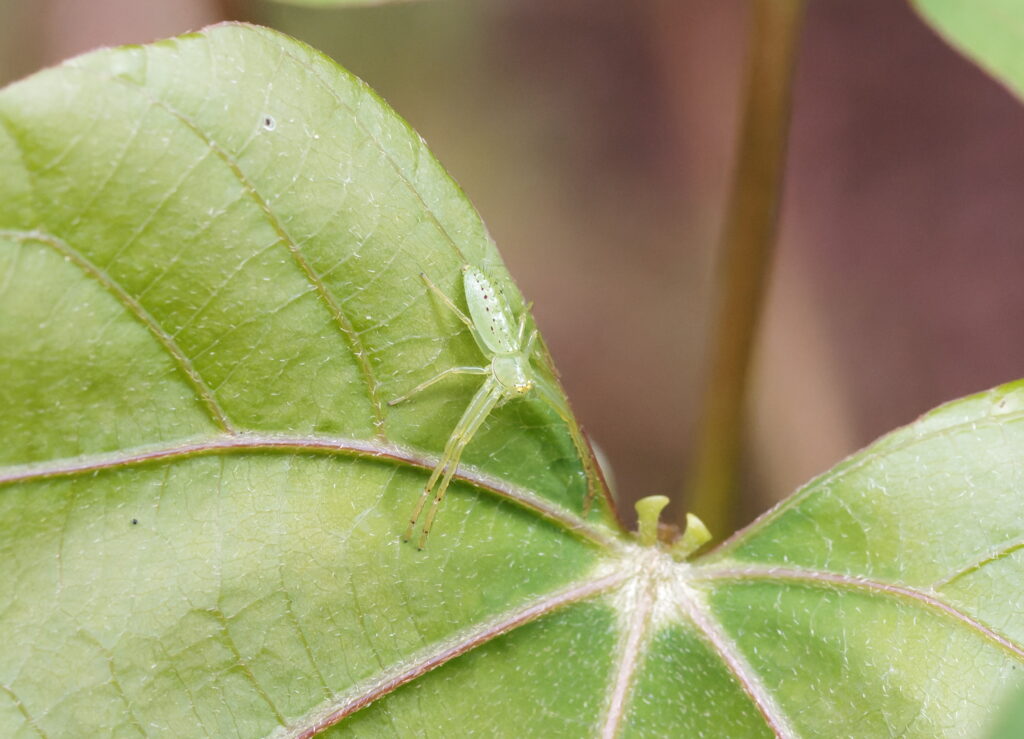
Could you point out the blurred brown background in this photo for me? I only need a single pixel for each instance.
(596, 140)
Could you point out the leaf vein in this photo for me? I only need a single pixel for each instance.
(632, 645)
(22, 709)
(199, 386)
(820, 578)
(377, 686)
(243, 665)
(748, 678)
(301, 633)
(325, 445)
(339, 317)
(988, 558)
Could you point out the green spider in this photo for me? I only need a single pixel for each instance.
(509, 375)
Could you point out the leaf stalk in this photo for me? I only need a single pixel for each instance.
(747, 248)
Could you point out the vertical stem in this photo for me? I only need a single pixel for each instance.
(747, 246)
(230, 10)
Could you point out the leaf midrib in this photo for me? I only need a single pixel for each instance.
(246, 442)
(434, 655)
(484, 632)
(740, 572)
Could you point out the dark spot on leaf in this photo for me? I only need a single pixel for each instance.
(269, 123)
(135, 522)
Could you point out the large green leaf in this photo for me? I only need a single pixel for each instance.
(210, 252)
(990, 32)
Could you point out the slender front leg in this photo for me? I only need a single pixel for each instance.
(447, 301)
(441, 376)
(487, 397)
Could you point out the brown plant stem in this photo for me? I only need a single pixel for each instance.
(746, 254)
(230, 10)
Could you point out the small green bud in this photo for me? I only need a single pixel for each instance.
(648, 510)
(695, 536)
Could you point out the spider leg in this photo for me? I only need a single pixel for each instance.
(530, 342)
(487, 397)
(557, 401)
(522, 324)
(448, 301)
(450, 371)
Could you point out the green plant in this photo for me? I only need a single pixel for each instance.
(210, 251)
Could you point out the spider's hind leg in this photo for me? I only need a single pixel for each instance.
(486, 399)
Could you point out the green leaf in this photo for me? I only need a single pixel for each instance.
(989, 32)
(1011, 719)
(210, 259)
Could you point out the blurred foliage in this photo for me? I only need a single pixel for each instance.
(990, 32)
(341, 4)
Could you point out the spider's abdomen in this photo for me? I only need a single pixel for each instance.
(488, 308)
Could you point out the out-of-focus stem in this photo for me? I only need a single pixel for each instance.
(746, 254)
(230, 9)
